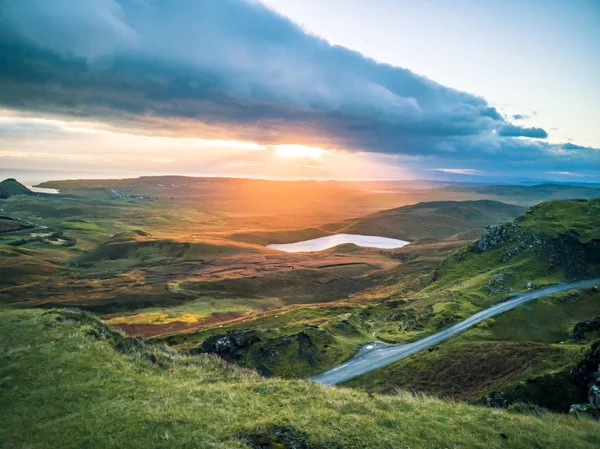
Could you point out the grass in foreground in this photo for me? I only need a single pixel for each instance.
(66, 380)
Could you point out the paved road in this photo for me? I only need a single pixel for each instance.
(376, 355)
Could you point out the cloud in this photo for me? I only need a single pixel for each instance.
(459, 171)
(84, 28)
(566, 173)
(492, 113)
(572, 146)
(234, 69)
(510, 130)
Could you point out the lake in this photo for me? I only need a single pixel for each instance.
(43, 190)
(330, 241)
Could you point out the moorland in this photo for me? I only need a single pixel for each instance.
(143, 293)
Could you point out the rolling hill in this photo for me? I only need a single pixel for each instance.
(428, 221)
(432, 220)
(72, 382)
(11, 186)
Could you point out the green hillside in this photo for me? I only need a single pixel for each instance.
(553, 241)
(526, 353)
(11, 186)
(72, 382)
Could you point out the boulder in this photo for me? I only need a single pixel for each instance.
(231, 345)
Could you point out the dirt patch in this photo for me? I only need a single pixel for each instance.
(148, 330)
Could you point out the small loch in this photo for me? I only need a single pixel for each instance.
(323, 243)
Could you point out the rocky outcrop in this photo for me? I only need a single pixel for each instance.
(513, 238)
(581, 330)
(495, 236)
(307, 344)
(576, 259)
(496, 399)
(564, 252)
(230, 346)
(587, 376)
(497, 283)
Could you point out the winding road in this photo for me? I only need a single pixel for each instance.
(376, 355)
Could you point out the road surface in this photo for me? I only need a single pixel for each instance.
(376, 355)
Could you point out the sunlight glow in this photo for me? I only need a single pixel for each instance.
(291, 150)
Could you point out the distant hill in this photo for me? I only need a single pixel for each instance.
(437, 219)
(429, 220)
(528, 195)
(11, 186)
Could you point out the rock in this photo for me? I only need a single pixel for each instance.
(594, 396)
(571, 256)
(587, 376)
(496, 400)
(229, 346)
(346, 328)
(496, 283)
(578, 408)
(495, 236)
(585, 327)
(565, 298)
(586, 371)
(585, 409)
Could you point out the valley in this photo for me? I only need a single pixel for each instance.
(178, 266)
(299, 224)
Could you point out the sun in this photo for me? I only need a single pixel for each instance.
(292, 150)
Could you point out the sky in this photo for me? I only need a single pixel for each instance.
(284, 89)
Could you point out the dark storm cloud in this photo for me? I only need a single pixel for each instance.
(492, 113)
(572, 146)
(519, 131)
(238, 68)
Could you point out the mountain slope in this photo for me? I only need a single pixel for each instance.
(68, 381)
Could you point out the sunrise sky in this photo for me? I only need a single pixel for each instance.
(378, 89)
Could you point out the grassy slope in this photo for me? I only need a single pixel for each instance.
(522, 344)
(66, 386)
(537, 260)
(505, 345)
